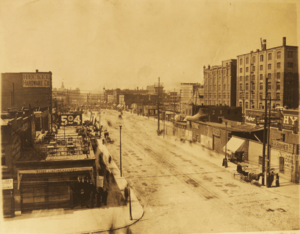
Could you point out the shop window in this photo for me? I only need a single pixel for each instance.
(281, 164)
(282, 137)
(260, 160)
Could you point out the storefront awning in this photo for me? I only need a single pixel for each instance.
(233, 145)
(54, 170)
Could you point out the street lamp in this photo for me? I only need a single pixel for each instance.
(120, 152)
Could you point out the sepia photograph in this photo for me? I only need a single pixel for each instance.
(149, 116)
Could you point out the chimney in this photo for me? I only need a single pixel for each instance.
(264, 44)
(284, 41)
(36, 70)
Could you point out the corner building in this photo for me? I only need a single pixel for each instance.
(275, 67)
(220, 84)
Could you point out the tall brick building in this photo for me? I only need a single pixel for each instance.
(277, 67)
(220, 84)
(23, 89)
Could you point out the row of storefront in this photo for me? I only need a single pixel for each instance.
(243, 142)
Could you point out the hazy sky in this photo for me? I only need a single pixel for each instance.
(130, 43)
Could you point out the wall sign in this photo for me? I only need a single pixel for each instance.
(36, 80)
(282, 146)
(7, 184)
(216, 132)
(70, 119)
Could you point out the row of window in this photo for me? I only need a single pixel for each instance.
(270, 55)
(260, 77)
(277, 96)
(261, 67)
(260, 86)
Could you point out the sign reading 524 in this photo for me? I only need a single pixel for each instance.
(70, 119)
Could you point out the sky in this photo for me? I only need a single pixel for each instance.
(93, 44)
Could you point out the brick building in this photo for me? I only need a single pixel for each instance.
(277, 67)
(220, 84)
(23, 89)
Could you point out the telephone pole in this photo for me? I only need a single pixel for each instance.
(266, 135)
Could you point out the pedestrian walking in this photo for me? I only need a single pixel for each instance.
(277, 180)
(92, 195)
(126, 193)
(271, 178)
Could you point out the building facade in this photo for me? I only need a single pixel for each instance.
(220, 84)
(275, 67)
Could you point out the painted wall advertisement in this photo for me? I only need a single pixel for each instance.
(36, 80)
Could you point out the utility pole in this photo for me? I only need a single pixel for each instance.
(158, 107)
(120, 153)
(266, 136)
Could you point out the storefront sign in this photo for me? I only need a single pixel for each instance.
(7, 184)
(57, 170)
(282, 146)
(216, 132)
(70, 119)
(36, 80)
(288, 118)
(288, 162)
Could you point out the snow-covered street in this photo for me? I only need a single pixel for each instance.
(184, 188)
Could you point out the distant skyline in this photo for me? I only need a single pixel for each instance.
(129, 44)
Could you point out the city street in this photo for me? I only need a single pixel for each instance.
(184, 188)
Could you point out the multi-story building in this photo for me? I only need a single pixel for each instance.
(277, 67)
(188, 94)
(220, 84)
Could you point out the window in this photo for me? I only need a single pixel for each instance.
(253, 68)
(241, 70)
(247, 105)
(269, 66)
(246, 95)
(241, 104)
(247, 69)
(247, 85)
(269, 85)
(241, 86)
(261, 76)
(261, 67)
(261, 58)
(269, 76)
(261, 86)
(269, 56)
(281, 164)
(253, 59)
(224, 86)
(252, 86)
(290, 65)
(260, 96)
(260, 105)
(241, 61)
(278, 96)
(278, 65)
(277, 86)
(290, 54)
(3, 161)
(224, 95)
(213, 112)
(247, 60)
(278, 75)
(240, 78)
(269, 96)
(260, 160)
(279, 54)
(253, 77)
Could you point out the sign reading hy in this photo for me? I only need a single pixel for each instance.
(36, 80)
